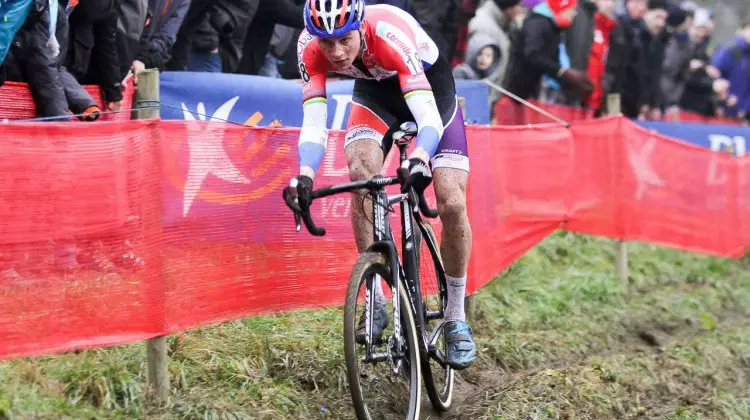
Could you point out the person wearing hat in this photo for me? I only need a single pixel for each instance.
(705, 92)
(677, 19)
(482, 58)
(500, 21)
(653, 46)
(682, 47)
(622, 53)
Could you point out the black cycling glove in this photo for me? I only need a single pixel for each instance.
(298, 196)
(419, 176)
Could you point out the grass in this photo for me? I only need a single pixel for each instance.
(558, 335)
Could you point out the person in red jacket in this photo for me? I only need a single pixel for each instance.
(604, 24)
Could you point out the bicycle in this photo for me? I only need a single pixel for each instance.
(412, 349)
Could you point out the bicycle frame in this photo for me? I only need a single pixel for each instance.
(409, 271)
(411, 204)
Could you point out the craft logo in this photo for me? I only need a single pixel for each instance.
(227, 153)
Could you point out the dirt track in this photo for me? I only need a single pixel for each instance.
(482, 387)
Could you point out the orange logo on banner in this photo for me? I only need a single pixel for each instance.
(267, 160)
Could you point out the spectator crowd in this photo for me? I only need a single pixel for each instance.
(655, 53)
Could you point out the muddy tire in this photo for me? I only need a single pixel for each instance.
(368, 265)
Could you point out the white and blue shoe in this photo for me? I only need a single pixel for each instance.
(461, 349)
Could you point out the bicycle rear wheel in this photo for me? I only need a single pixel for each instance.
(438, 379)
(375, 389)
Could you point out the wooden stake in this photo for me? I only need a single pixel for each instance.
(621, 248)
(147, 95)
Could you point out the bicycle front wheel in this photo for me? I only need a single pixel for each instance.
(438, 379)
(379, 392)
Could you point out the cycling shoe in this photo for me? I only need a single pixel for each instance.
(461, 349)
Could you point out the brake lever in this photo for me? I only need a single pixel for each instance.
(293, 194)
(298, 221)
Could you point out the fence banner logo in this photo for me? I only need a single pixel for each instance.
(640, 161)
(216, 166)
(712, 136)
(262, 100)
(207, 156)
(209, 167)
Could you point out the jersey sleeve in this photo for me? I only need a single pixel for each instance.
(313, 138)
(398, 52)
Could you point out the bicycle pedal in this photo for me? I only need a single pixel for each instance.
(376, 341)
(362, 340)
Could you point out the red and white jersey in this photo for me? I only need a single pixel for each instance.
(394, 45)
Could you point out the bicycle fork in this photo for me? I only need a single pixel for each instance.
(384, 244)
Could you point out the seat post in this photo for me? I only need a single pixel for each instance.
(402, 151)
(403, 138)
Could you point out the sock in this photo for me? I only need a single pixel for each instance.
(379, 296)
(454, 310)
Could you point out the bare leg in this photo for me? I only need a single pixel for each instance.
(450, 190)
(365, 159)
(455, 248)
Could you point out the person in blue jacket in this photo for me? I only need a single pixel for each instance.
(733, 61)
(13, 14)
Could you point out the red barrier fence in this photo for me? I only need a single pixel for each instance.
(508, 112)
(17, 102)
(201, 204)
(687, 116)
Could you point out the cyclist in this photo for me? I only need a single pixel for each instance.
(400, 76)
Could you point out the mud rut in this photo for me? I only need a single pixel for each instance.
(475, 385)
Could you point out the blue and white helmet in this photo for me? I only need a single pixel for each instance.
(333, 18)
